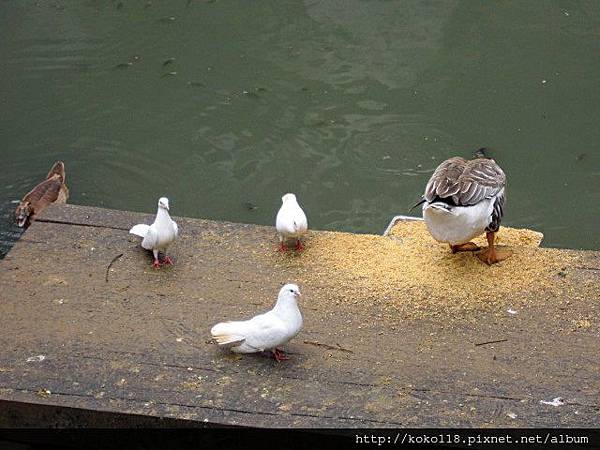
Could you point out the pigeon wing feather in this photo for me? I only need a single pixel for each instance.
(300, 221)
(150, 240)
(266, 331)
(284, 222)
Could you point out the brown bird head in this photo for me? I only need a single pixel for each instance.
(57, 169)
(22, 214)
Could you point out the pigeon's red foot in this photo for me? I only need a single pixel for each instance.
(299, 246)
(156, 264)
(282, 248)
(168, 260)
(279, 355)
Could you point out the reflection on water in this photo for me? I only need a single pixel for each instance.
(225, 106)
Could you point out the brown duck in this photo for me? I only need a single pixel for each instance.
(52, 190)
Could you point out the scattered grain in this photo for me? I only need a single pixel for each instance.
(408, 273)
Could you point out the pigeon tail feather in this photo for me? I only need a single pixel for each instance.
(227, 340)
(225, 334)
(140, 230)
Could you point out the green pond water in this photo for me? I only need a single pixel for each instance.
(225, 105)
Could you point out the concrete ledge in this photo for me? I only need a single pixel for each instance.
(373, 353)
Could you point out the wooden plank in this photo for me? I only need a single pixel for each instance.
(139, 342)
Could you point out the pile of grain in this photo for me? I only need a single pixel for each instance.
(412, 272)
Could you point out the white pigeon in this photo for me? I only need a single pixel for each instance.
(159, 235)
(291, 222)
(266, 331)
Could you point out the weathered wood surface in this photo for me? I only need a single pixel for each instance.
(139, 343)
